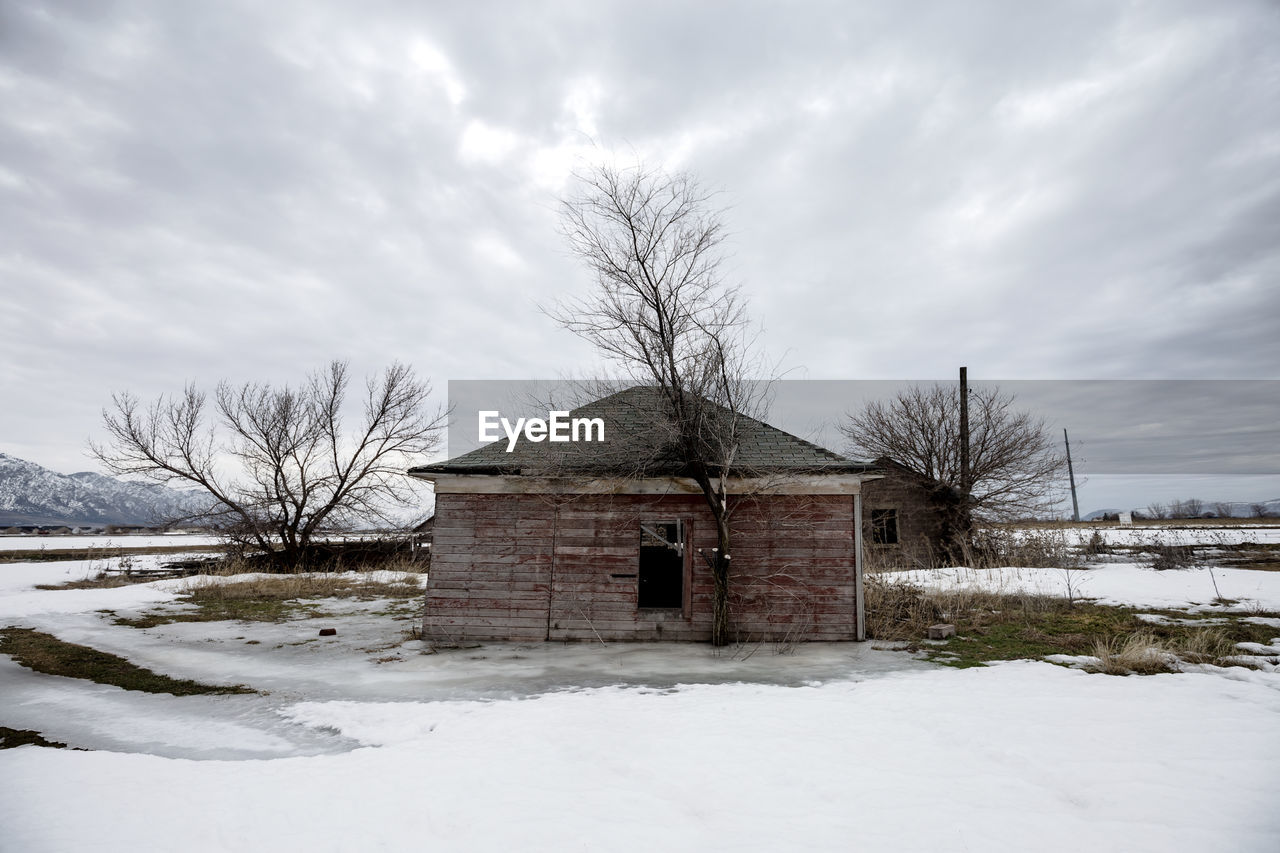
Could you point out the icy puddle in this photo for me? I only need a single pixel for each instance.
(371, 659)
(291, 664)
(99, 716)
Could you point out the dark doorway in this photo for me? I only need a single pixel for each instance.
(661, 565)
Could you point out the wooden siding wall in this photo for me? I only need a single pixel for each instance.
(920, 521)
(493, 576)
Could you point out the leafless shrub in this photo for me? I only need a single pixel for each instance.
(999, 547)
(1166, 556)
(898, 611)
(1096, 546)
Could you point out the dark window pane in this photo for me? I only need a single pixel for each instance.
(661, 565)
(884, 527)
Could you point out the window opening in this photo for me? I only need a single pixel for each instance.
(661, 573)
(884, 527)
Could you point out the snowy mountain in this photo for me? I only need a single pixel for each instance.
(30, 494)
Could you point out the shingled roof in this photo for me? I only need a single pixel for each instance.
(639, 442)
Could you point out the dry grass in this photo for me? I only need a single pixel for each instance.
(1140, 653)
(898, 611)
(202, 590)
(903, 611)
(400, 561)
(1143, 652)
(100, 580)
(271, 598)
(999, 626)
(1206, 645)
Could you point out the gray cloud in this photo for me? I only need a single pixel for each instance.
(1076, 190)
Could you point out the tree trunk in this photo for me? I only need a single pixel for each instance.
(718, 504)
(720, 586)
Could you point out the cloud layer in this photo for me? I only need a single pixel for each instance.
(247, 190)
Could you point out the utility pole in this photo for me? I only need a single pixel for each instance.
(966, 485)
(964, 433)
(1071, 473)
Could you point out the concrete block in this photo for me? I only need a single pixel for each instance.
(941, 632)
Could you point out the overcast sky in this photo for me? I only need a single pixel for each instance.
(246, 190)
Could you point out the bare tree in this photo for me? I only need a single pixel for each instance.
(1260, 510)
(277, 463)
(1015, 468)
(1189, 508)
(663, 314)
(1157, 510)
(1224, 509)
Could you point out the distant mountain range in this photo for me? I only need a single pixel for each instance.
(31, 494)
(1236, 509)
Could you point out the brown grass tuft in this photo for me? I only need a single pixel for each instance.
(1144, 653)
(897, 611)
(1141, 653)
(903, 611)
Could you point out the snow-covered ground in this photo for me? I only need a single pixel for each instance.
(164, 540)
(1119, 583)
(1177, 533)
(1022, 756)
(362, 742)
(70, 543)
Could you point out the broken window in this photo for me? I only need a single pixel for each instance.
(662, 565)
(884, 527)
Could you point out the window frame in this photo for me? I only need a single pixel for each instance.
(681, 547)
(884, 521)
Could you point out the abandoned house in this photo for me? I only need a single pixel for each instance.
(606, 540)
(908, 520)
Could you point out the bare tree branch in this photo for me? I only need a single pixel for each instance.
(662, 313)
(296, 468)
(1015, 467)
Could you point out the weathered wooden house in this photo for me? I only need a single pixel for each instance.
(607, 540)
(908, 519)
